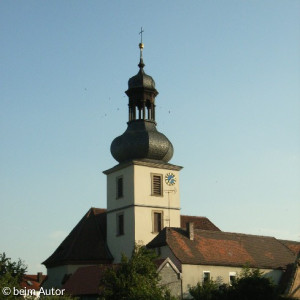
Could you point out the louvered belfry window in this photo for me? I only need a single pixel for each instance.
(156, 184)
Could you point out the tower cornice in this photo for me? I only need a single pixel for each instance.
(144, 162)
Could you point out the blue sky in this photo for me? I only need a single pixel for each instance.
(228, 75)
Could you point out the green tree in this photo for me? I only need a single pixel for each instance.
(208, 290)
(15, 269)
(134, 279)
(252, 285)
(11, 274)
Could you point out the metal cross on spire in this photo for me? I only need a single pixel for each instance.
(141, 46)
(141, 33)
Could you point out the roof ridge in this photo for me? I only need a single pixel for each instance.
(98, 208)
(226, 232)
(237, 233)
(194, 216)
(298, 242)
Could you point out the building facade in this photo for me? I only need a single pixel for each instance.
(143, 207)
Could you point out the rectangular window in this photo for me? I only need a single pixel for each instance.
(119, 187)
(157, 219)
(120, 224)
(206, 276)
(157, 185)
(232, 277)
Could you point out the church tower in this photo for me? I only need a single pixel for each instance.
(143, 189)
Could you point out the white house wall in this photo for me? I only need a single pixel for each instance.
(192, 274)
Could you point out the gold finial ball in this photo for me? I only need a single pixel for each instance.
(141, 45)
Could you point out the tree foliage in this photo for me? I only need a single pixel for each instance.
(15, 269)
(251, 284)
(11, 274)
(209, 290)
(134, 279)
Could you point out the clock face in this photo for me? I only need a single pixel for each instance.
(170, 179)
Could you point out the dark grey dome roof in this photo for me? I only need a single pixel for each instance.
(141, 140)
(141, 79)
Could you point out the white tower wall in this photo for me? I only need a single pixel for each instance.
(138, 204)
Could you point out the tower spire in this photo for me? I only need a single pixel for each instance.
(141, 140)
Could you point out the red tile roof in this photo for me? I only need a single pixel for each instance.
(86, 244)
(199, 223)
(32, 281)
(85, 281)
(224, 249)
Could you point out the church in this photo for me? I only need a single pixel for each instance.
(143, 207)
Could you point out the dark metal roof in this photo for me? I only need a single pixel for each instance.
(86, 243)
(141, 80)
(141, 140)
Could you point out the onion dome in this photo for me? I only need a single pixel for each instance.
(141, 140)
